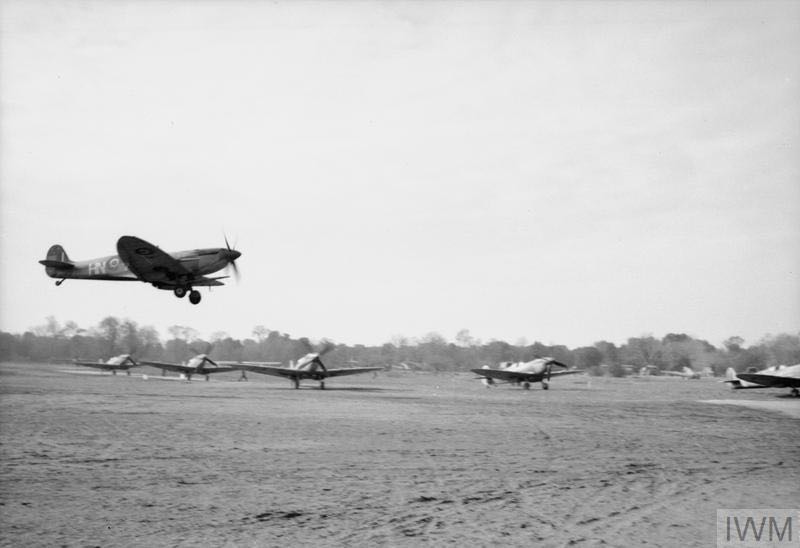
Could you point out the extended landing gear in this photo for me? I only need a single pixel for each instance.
(296, 383)
(194, 295)
(322, 385)
(796, 392)
(526, 385)
(59, 282)
(545, 385)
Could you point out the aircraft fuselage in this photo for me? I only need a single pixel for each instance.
(198, 261)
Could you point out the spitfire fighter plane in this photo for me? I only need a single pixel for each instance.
(138, 260)
(781, 376)
(538, 370)
(309, 366)
(123, 362)
(199, 365)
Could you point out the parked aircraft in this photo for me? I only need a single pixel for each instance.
(781, 376)
(686, 373)
(123, 362)
(195, 366)
(138, 260)
(309, 366)
(538, 370)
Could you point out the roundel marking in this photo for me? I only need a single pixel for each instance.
(113, 264)
(143, 251)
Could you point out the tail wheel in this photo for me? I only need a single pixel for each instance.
(194, 296)
(180, 292)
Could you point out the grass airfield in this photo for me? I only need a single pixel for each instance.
(395, 459)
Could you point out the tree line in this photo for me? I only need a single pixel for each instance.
(54, 341)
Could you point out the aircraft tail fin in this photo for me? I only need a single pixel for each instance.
(731, 378)
(57, 258)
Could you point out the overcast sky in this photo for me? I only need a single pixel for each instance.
(562, 172)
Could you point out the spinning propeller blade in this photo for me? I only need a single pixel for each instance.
(328, 346)
(232, 256)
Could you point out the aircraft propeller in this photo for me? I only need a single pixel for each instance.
(550, 365)
(202, 347)
(327, 347)
(232, 256)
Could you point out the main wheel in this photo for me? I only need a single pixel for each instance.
(180, 292)
(545, 385)
(322, 385)
(526, 385)
(296, 383)
(194, 296)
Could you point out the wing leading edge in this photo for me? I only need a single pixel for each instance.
(149, 263)
(774, 381)
(351, 371)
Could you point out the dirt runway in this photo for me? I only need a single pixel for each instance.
(396, 459)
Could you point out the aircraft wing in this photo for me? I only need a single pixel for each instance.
(149, 263)
(100, 365)
(350, 371)
(177, 367)
(217, 369)
(205, 281)
(247, 366)
(567, 372)
(508, 376)
(775, 381)
(270, 370)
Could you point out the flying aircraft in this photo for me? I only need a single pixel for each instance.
(781, 376)
(686, 373)
(538, 370)
(138, 260)
(309, 366)
(123, 362)
(195, 366)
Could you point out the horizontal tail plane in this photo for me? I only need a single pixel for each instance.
(57, 258)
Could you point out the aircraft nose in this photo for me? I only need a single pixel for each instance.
(233, 254)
